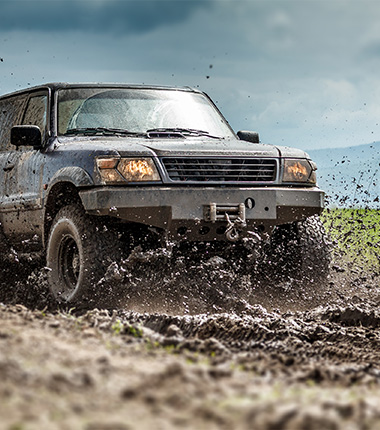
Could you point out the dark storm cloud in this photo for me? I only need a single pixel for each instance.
(302, 71)
(120, 16)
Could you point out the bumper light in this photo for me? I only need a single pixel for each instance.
(299, 171)
(115, 170)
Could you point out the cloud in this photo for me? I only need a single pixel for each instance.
(98, 16)
(302, 73)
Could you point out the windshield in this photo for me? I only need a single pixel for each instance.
(138, 111)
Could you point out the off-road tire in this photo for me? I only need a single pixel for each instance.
(79, 250)
(301, 251)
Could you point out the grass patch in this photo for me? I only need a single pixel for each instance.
(356, 236)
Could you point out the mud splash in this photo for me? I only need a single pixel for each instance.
(202, 281)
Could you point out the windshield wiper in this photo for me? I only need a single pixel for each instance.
(180, 131)
(102, 130)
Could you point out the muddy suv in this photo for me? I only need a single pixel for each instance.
(88, 172)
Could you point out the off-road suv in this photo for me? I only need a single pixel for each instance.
(88, 171)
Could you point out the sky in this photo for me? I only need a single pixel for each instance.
(302, 73)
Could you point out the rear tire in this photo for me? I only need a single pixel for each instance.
(79, 250)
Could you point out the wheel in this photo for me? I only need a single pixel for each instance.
(79, 250)
(301, 250)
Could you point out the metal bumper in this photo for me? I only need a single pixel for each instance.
(168, 208)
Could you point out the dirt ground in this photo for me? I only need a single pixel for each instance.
(200, 348)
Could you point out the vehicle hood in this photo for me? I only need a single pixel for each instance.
(209, 147)
(289, 152)
(127, 146)
(97, 145)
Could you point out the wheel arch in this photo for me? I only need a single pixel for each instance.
(63, 190)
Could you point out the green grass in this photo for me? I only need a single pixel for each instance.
(356, 236)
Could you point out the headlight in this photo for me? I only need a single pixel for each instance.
(299, 171)
(114, 170)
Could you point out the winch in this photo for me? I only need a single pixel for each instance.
(234, 214)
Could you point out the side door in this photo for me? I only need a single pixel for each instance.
(11, 110)
(23, 177)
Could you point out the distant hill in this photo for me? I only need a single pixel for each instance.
(350, 176)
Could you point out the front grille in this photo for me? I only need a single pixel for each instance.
(221, 169)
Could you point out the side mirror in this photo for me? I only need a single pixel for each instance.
(249, 136)
(26, 135)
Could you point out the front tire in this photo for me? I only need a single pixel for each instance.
(79, 250)
(301, 251)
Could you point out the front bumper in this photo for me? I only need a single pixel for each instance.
(174, 208)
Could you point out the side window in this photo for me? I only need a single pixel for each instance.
(36, 113)
(10, 115)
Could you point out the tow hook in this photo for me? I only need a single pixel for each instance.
(234, 214)
(234, 228)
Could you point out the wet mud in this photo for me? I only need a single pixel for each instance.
(192, 343)
(122, 369)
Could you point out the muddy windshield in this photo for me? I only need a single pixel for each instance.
(138, 111)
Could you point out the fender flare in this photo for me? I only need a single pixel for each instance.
(74, 175)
